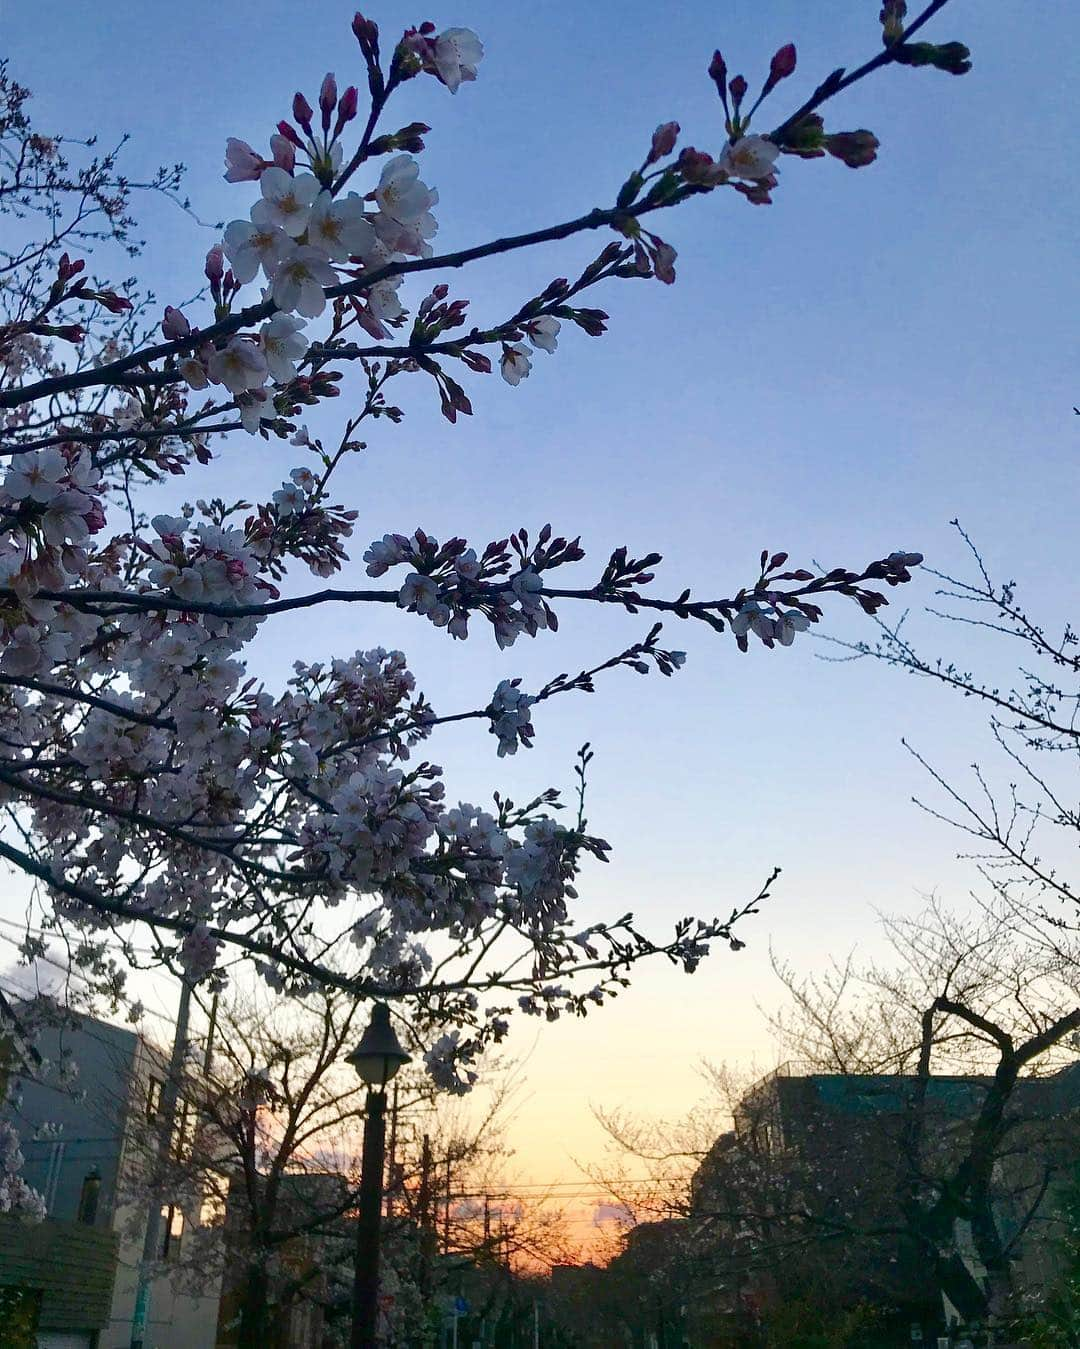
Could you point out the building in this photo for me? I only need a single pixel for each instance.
(85, 1148)
(806, 1193)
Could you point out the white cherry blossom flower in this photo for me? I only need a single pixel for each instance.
(289, 498)
(788, 624)
(385, 553)
(252, 406)
(242, 164)
(22, 651)
(400, 194)
(239, 365)
(340, 227)
(528, 586)
(458, 52)
(383, 299)
(82, 473)
(286, 200)
(170, 526)
(467, 565)
(199, 951)
(419, 592)
(282, 345)
(65, 520)
(299, 280)
(249, 247)
(411, 239)
(36, 477)
(543, 332)
(193, 373)
(515, 364)
(751, 157)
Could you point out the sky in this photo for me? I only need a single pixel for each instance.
(837, 375)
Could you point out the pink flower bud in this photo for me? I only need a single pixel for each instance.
(215, 264)
(350, 100)
(284, 152)
(663, 141)
(66, 269)
(856, 149)
(327, 99)
(174, 325)
(364, 30)
(737, 88)
(302, 111)
(718, 72)
(115, 304)
(664, 262)
(289, 132)
(782, 64)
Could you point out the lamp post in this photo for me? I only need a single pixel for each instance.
(376, 1058)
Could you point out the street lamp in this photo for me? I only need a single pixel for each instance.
(376, 1059)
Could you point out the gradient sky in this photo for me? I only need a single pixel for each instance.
(837, 375)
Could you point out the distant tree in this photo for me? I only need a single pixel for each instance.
(266, 1151)
(1056, 1322)
(963, 1190)
(977, 998)
(1023, 670)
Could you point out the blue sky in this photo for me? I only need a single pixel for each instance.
(837, 375)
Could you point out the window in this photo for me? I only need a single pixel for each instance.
(172, 1223)
(88, 1198)
(212, 1211)
(153, 1098)
(186, 1125)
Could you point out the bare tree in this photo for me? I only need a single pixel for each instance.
(910, 1148)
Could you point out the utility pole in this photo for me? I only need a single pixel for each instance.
(424, 1204)
(446, 1210)
(152, 1240)
(208, 1055)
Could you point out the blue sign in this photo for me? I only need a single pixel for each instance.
(461, 1306)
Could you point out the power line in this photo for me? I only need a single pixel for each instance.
(71, 972)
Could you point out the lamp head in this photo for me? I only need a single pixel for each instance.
(379, 1054)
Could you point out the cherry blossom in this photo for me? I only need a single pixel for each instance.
(418, 592)
(242, 164)
(157, 778)
(400, 193)
(299, 280)
(750, 157)
(510, 718)
(36, 477)
(283, 344)
(543, 332)
(286, 201)
(240, 365)
(458, 51)
(193, 372)
(515, 363)
(340, 228)
(16, 1196)
(249, 247)
(199, 952)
